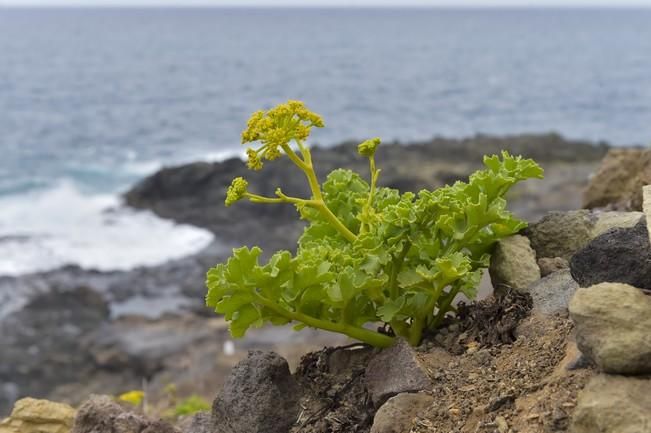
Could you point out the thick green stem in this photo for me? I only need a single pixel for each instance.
(364, 226)
(444, 307)
(362, 334)
(294, 157)
(319, 203)
(336, 223)
(419, 323)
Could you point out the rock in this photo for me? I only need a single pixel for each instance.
(620, 255)
(612, 327)
(605, 221)
(613, 404)
(101, 414)
(618, 181)
(646, 191)
(549, 265)
(160, 427)
(552, 294)
(260, 396)
(143, 346)
(198, 423)
(38, 416)
(502, 425)
(41, 344)
(398, 413)
(561, 234)
(513, 263)
(393, 371)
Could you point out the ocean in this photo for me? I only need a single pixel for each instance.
(92, 100)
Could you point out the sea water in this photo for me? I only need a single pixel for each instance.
(93, 100)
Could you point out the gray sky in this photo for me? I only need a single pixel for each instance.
(360, 3)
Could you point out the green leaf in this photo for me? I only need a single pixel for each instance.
(388, 311)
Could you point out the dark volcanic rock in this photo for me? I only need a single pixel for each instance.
(101, 414)
(260, 396)
(40, 345)
(620, 255)
(194, 193)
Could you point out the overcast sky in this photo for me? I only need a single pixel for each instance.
(359, 3)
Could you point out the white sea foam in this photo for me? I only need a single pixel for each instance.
(47, 229)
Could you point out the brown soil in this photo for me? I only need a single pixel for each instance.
(522, 387)
(496, 369)
(336, 399)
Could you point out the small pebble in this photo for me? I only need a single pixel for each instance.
(502, 425)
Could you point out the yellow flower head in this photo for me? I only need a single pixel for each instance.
(236, 191)
(253, 160)
(278, 126)
(132, 397)
(368, 147)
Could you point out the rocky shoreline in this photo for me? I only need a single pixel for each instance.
(76, 332)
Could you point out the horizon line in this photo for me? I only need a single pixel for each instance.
(450, 6)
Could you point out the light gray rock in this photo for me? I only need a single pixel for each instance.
(513, 263)
(549, 265)
(613, 404)
(552, 293)
(398, 413)
(612, 327)
(393, 371)
(260, 396)
(609, 220)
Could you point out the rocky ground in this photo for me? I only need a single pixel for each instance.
(114, 330)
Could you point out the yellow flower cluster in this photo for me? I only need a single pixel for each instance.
(275, 128)
(134, 397)
(368, 147)
(236, 191)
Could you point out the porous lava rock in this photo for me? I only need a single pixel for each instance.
(101, 414)
(561, 234)
(620, 255)
(611, 403)
(513, 263)
(259, 396)
(612, 327)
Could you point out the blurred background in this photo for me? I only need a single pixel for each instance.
(102, 255)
